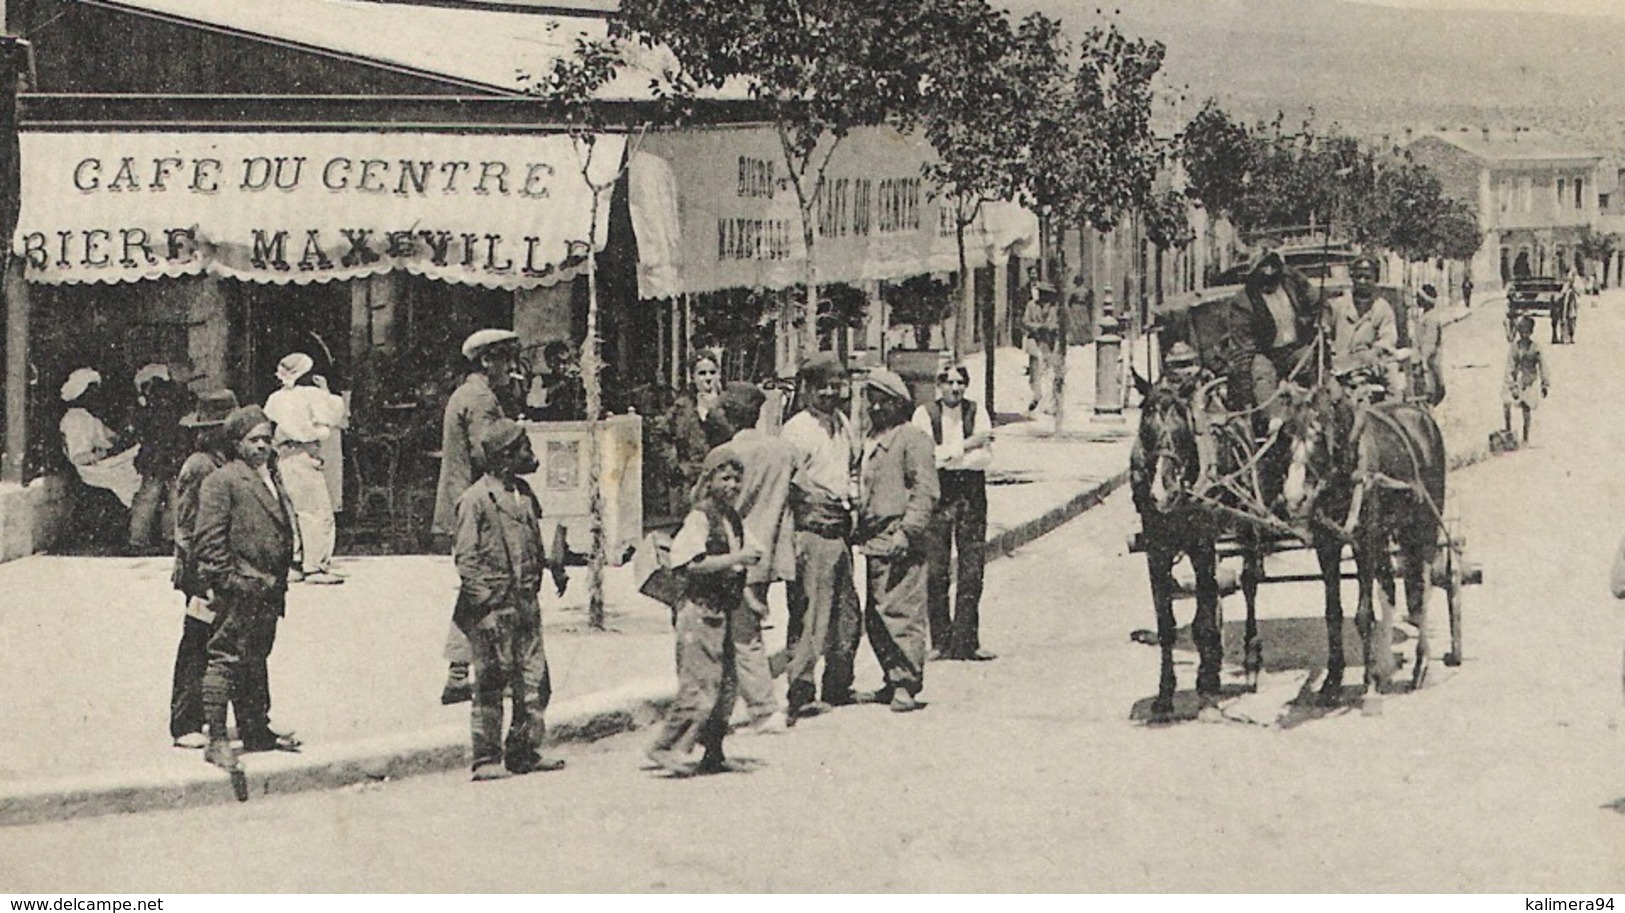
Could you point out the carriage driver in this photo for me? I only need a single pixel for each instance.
(1184, 376)
(1364, 331)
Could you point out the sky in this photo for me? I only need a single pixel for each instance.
(1611, 8)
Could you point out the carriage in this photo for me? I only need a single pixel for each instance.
(1239, 508)
(1543, 296)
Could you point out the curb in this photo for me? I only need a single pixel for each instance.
(1006, 542)
(584, 719)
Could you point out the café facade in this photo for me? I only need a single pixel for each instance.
(212, 184)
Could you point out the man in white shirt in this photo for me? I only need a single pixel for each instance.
(964, 448)
(825, 621)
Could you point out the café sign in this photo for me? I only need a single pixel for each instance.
(496, 211)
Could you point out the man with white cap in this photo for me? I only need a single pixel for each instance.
(1429, 353)
(160, 403)
(900, 491)
(98, 455)
(306, 413)
(493, 359)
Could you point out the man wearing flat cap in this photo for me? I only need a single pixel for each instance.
(899, 484)
(493, 357)
(764, 508)
(823, 599)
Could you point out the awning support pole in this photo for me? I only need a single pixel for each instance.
(15, 455)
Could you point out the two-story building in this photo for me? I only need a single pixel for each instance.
(1534, 193)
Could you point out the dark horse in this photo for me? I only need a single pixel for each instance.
(1162, 470)
(1372, 476)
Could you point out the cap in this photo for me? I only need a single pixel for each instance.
(1428, 294)
(481, 340)
(1364, 261)
(243, 420)
(948, 371)
(718, 457)
(293, 366)
(78, 382)
(887, 382)
(822, 368)
(1179, 354)
(213, 408)
(151, 373)
(739, 396)
(498, 437)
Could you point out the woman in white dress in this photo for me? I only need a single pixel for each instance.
(306, 414)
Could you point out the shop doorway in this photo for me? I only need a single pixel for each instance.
(271, 321)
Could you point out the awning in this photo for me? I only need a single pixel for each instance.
(495, 211)
(482, 49)
(739, 225)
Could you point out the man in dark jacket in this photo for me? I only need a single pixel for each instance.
(160, 403)
(245, 547)
(1286, 310)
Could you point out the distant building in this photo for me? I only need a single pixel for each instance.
(1534, 193)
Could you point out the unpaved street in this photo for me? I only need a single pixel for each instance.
(1034, 772)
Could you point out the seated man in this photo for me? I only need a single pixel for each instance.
(1363, 328)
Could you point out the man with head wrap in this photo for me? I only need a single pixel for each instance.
(1286, 311)
(244, 542)
(824, 613)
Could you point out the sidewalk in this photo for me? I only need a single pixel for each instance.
(88, 644)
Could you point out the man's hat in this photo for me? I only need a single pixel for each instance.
(823, 368)
(1180, 355)
(960, 371)
(1367, 262)
(212, 409)
(1427, 294)
(887, 382)
(498, 437)
(480, 340)
(243, 420)
(78, 382)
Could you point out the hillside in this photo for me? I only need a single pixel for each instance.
(1377, 69)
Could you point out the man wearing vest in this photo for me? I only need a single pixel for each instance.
(964, 438)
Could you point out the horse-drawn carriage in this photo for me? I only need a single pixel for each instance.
(1312, 467)
(1544, 296)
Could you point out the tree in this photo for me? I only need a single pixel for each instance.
(820, 68)
(1093, 156)
(573, 80)
(985, 77)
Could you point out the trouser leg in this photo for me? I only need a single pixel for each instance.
(186, 689)
(846, 628)
(228, 645)
(812, 604)
(716, 726)
(895, 619)
(492, 648)
(532, 690)
(750, 657)
(970, 543)
(146, 512)
(939, 569)
(254, 694)
(701, 643)
(313, 509)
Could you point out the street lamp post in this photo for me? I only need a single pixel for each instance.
(1109, 363)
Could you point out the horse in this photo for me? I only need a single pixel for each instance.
(1373, 476)
(1163, 468)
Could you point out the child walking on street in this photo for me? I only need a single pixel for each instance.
(1526, 364)
(499, 557)
(713, 550)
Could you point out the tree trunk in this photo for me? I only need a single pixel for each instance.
(592, 367)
